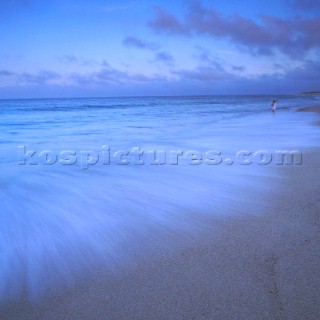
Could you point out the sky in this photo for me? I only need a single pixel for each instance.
(100, 48)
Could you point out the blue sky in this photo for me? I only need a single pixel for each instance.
(126, 48)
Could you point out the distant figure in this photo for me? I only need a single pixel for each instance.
(274, 106)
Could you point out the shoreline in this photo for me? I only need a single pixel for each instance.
(315, 109)
(262, 265)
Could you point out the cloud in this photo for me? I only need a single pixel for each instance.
(238, 68)
(204, 79)
(72, 59)
(134, 42)
(263, 35)
(215, 79)
(164, 57)
(211, 72)
(165, 21)
(203, 74)
(40, 78)
(309, 72)
(286, 80)
(68, 59)
(205, 58)
(112, 76)
(107, 75)
(6, 73)
(304, 4)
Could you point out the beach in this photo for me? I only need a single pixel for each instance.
(264, 266)
(256, 257)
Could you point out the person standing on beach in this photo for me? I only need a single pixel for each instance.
(274, 106)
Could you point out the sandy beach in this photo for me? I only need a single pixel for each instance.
(261, 265)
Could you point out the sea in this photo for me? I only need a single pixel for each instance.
(85, 182)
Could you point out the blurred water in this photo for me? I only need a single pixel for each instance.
(57, 221)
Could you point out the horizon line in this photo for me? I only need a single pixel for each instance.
(161, 96)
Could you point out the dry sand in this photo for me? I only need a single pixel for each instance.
(264, 265)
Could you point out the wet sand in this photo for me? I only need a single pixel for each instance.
(310, 109)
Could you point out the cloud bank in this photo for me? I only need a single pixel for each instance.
(264, 35)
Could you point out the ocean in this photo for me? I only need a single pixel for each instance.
(84, 181)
